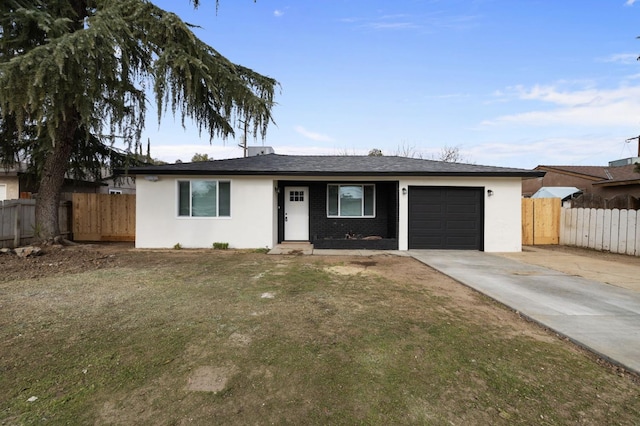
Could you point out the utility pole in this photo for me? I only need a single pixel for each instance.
(243, 145)
(636, 138)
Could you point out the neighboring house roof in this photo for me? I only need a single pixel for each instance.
(600, 175)
(29, 185)
(310, 165)
(11, 170)
(561, 192)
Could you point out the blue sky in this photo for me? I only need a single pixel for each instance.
(509, 83)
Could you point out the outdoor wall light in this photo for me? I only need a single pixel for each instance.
(151, 178)
(277, 189)
(404, 191)
(489, 192)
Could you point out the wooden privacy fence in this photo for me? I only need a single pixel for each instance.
(104, 217)
(541, 221)
(18, 222)
(617, 231)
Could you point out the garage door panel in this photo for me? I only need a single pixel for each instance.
(462, 225)
(429, 241)
(431, 222)
(465, 200)
(428, 209)
(446, 218)
(463, 243)
(462, 209)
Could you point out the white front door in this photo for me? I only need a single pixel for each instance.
(296, 213)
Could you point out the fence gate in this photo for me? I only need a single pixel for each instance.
(541, 221)
(104, 217)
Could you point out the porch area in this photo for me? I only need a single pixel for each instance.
(339, 215)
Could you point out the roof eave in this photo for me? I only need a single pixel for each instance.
(150, 171)
(618, 182)
(569, 172)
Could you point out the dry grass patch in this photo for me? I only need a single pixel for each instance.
(181, 337)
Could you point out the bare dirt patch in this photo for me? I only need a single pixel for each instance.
(210, 379)
(610, 268)
(57, 259)
(585, 252)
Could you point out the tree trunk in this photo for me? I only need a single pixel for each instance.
(56, 164)
(55, 168)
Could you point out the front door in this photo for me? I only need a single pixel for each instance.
(296, 213)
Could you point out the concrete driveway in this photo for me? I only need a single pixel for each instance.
(601, 317)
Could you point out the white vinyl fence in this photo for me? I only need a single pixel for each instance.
(617, 231)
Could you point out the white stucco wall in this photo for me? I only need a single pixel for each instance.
(254, 222)
(251, 224)
(10, 188)
(502, 215)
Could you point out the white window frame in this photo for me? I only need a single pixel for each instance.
(190, 215)
(362, 213)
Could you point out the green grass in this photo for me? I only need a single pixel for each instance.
(117, 346)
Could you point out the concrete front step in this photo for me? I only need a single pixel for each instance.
(292, 247)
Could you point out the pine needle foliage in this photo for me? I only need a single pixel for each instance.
(75, 75)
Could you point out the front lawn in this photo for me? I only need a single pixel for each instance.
(224, 337)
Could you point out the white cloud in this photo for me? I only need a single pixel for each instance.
(392, 25)
(184, 152)
(414, 22)
(629, 2)
(318, 137)
(278, 13)
(622, 58)
(582, 107)
(580, 149)
(305, 150)
(449, 96)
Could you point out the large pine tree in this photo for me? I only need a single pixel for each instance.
(75, 73)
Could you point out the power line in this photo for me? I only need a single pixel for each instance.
(632, 139)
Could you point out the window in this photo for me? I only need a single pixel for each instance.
(204, 198)
(296, 196)
(350, 200)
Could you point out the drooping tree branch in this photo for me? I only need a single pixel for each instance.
(73, 71)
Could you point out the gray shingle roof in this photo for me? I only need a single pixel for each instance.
(313, 165)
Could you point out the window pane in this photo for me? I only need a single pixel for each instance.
(368, 200)
(183, 198)
(203, 198)
(351, 200)
(224, 209)
(332, 200)
(296, 195)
